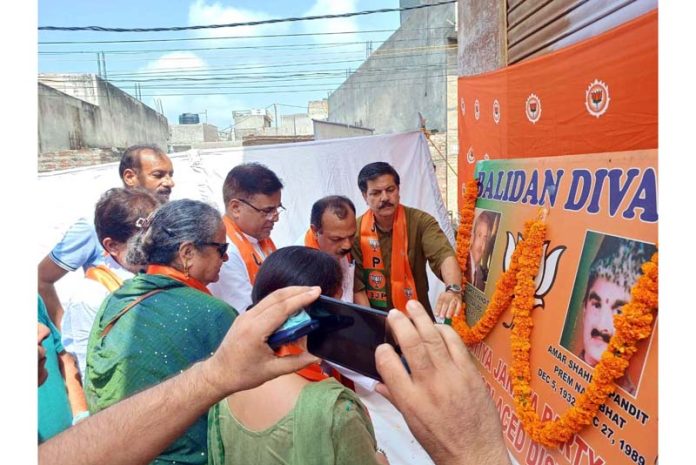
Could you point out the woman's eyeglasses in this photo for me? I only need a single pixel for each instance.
(221, 247)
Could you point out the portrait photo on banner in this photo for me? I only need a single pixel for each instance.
(483, 235)
(609, 266)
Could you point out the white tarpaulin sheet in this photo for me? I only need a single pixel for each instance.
(308, 171)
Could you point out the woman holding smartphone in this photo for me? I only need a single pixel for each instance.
(305, 417)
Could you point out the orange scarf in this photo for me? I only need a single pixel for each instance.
(177, 275)
(104, 276)
(403, 286)
(313, 372)
(310, 240)
(246, 249)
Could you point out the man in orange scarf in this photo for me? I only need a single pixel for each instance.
(332, 229)
(393, 244)
(251, 193)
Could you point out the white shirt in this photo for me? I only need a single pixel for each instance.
(81, 310)
(234, 285)
(348, 270)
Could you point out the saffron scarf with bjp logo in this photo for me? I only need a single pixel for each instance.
(251, 258)
(403, 286)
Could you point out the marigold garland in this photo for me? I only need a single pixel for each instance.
(632, 325)
(502, 295)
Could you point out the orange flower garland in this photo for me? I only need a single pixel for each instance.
(502, 295)
(466, 221)
(632, 325)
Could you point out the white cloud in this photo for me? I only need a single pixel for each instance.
(332, 7)
(219, 107)
(177, 61)
(203, 13)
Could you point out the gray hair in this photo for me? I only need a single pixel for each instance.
(168, 227)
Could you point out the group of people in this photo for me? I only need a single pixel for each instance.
(161, 355)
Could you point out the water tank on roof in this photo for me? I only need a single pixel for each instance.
(189, 118)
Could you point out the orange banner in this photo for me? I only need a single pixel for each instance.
(599, 95)
(602, 225)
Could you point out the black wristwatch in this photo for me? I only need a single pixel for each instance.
(454, 288)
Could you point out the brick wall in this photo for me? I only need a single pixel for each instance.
(66, 159)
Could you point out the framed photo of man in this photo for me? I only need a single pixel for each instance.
(608, 268)
(483, 236)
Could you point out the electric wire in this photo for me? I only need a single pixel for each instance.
(259, 36)
(246, 23)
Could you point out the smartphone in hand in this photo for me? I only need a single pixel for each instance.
(348, 334)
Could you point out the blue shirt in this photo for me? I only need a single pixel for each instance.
(79, 247)
(55, 414)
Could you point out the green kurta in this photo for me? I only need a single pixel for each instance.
(328, 426)
(159, 337)
(426, 244)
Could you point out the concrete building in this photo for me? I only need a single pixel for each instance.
(250, 122)
(330, 130)
(318, 109)
(414, 71)
(82, 111)
(298, 124)
(406, 75)
(186, 136)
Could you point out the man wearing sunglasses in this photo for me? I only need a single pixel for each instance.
(252, 196)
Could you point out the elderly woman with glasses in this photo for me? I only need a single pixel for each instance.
(163, 320)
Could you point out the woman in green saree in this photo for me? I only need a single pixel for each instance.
(303, 418)
(164, 319)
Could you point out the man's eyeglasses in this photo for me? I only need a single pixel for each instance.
(221, 247)
(269, 212)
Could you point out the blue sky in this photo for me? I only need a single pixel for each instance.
(213, 72)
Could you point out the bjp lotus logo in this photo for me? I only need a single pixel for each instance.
(597, 98)
(532, 108)
(374, 244)
(408, 292)
(477, 110)
(376, 279)
(547, 269)
(496, 111)
(462, 106)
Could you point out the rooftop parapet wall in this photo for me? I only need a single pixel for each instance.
(111, 117)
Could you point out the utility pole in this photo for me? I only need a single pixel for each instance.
(275, 109)
(104, 75)
(231, 136)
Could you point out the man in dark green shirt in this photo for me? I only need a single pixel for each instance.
(424, 242)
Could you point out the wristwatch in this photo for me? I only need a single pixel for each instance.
(454, 288)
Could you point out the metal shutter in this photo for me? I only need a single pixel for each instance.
(535, 27)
